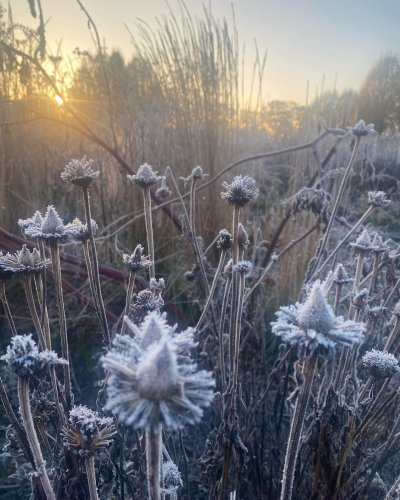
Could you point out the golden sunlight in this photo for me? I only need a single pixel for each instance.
(59, 100)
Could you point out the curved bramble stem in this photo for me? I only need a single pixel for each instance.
(26, 414)
(153, 463)
(338, 200)
(296, 428)
(55, 259)
(91, 477)
(97, 297)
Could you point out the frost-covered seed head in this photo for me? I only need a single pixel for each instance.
(242, 190)
(145, 302)
(24, 358)
(80, 172)
(78, 231)
(396, 310)
(242, 238)
(376, 313)
(314, 200)
(136, 261)
(378, 245)
(87, 433)
(24, 262)
(361, 129)
(197, 172)
(156, 386)
(380, 364)
(360, 298)
(171, 476)
(313, 325)
(363, 243)
(378, 199)
(51, 229)
(145, 176)
(157, 285)
(224, 240)
(163, 191)
(340, 276)
(242, 267)
(35, 221)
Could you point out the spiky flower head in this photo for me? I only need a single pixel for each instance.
(241, 190)
(380, 364)
(360, 129)
(144, 302)
(242, 267)
(224, 240)
(359, 298)
(80, 172)
(163, 191)
(156, 384)
(379, 246)
(24, 262)
(172, 478)
(35, 221)
(242, 238)
(314, 326)
(86, 432)
(197, 172)
(25, 359)
(378, 199)
(136, 261)
(51, 229)
(78, 230)
(363, 243)
(145, 176)
(340, 276)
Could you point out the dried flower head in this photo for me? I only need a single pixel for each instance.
(152, 380)
(78, 231)
(87, 433)
(242, 267)
(340, 276)
(145, 176)
(51, 229)
(242, 190)
(360, 298)
(396, 310)
(197, 172)
(35, 221)
(314, 326)
(312, 199)
(379, 246)
(24, 358)
(80, 172)
(157, 285)
(242, 238)
(24, 262)
(163, 191)
(145, 301)
(360, 129)
(380, 364)
(224, 240)
(363, 243)
(136, 261)
(378, 199)
(171, 477)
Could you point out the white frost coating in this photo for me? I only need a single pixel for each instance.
(380, 363)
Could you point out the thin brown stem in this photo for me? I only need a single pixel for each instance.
(91, 477)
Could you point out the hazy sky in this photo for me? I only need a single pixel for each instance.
(306, 40)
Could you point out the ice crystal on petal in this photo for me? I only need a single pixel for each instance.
(80, 172)
(25, 359)
(378, 199)
(241, 190)
(145, 176)
(87, 433)
(23, 262)
(313, 324)
(380, 364)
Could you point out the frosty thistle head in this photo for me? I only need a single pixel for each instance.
(241, 190)
(80, 172)
(145, 176)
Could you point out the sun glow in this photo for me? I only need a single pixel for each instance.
(59, 100)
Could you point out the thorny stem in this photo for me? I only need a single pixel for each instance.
(91, 477)
(26, 414)
(296, 428)
(153, 463)
(338, 200)
(95, 267)
(55, 259)
(149, 229)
